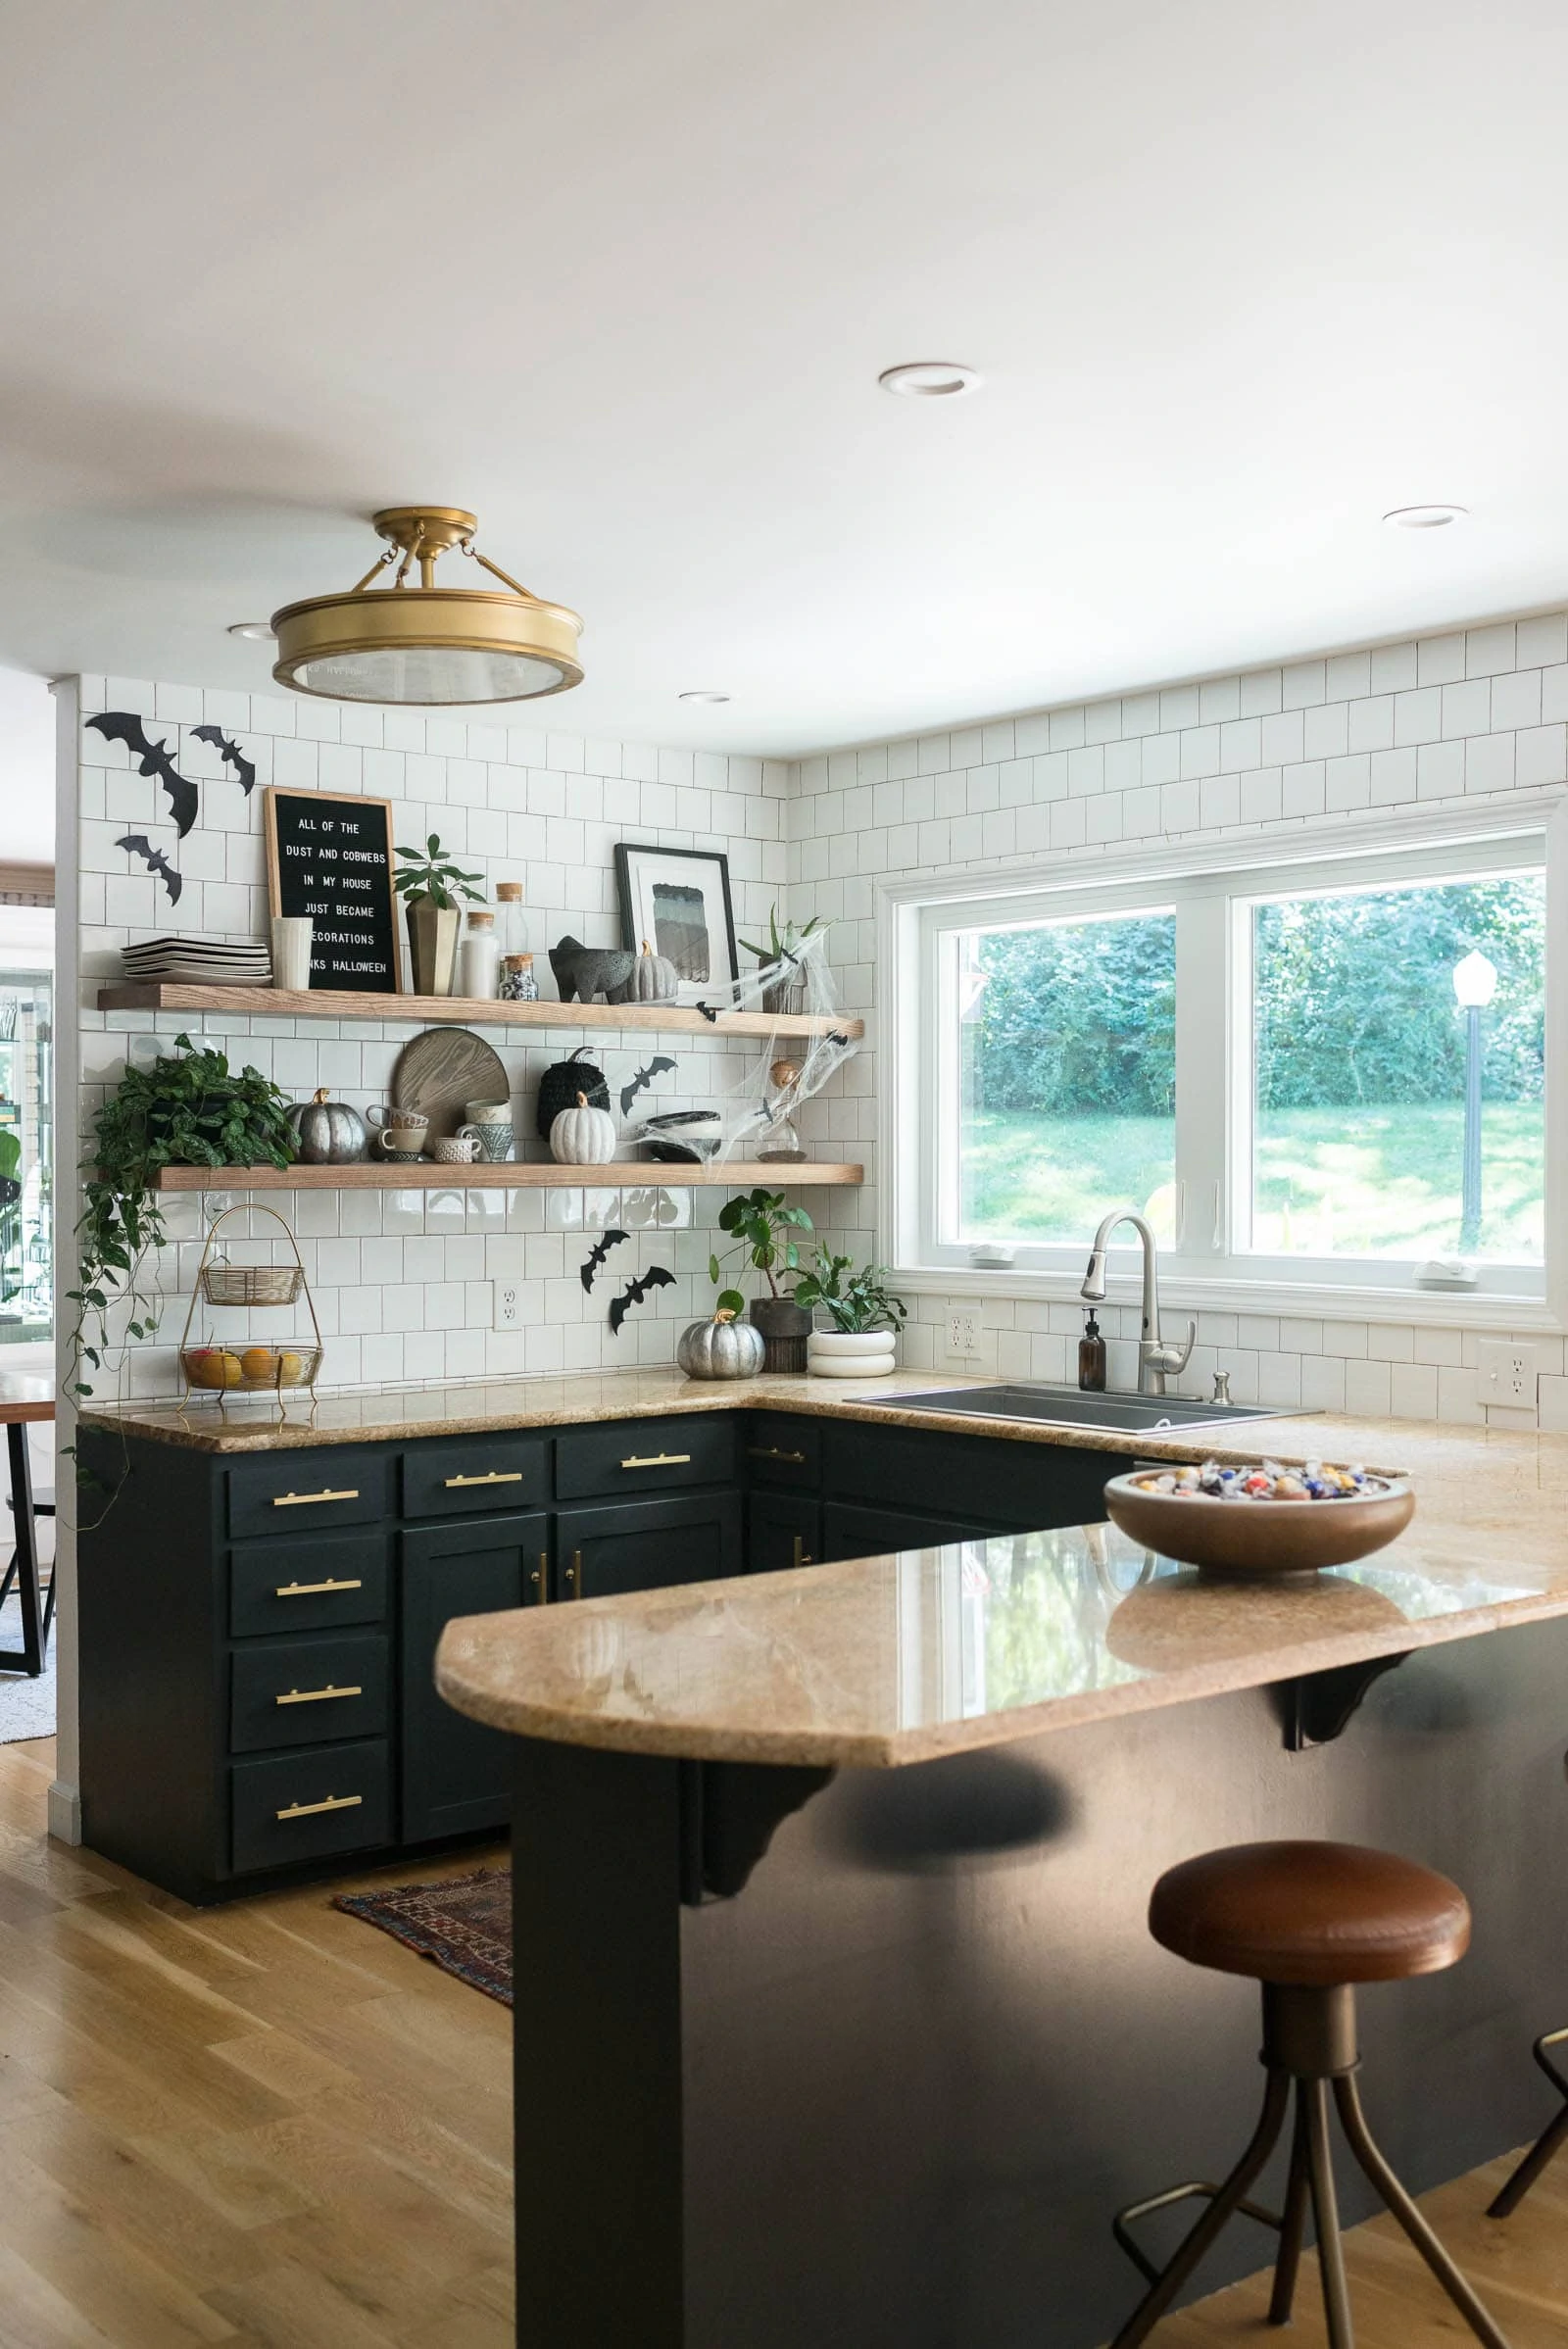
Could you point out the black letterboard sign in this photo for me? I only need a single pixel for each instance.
(332, 860)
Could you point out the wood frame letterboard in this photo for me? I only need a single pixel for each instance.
(332, 860)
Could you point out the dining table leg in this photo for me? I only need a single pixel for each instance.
(29, 1656)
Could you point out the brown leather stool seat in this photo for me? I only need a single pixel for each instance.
(1308, 1922)
(1310, 1913)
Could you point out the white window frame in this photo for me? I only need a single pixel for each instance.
(1205, 1268)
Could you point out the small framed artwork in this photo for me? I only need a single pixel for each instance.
(678, 900)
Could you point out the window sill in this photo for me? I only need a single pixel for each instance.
(1293, 1301)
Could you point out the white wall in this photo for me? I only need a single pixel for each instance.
(1389, 730)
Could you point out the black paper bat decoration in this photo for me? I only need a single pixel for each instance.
(644, 1077)
(708, 1013)
(123, 725)
(597, 1254)
(138, 845)
(635, 1292)
(231, 754)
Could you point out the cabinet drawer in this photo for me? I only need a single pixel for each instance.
(303, 1692)
(460, 1475)
(776, 1450)
(306, 1587)
(309, 1491)
(306, 1806)
(644, 1455)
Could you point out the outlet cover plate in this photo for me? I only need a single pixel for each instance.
(1507, 1373)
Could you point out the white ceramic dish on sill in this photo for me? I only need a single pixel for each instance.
(849, 1354)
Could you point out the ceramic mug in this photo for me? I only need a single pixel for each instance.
(491, 1137)
(454, 1150)
(401, 1121)
(292, 937)
(487, 1113)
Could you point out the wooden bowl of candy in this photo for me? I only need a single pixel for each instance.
(1261, 1520)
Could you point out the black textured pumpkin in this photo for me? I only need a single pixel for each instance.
(561, 1085)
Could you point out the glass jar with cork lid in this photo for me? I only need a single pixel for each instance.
(478, 959)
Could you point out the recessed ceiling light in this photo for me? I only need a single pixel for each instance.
(704, 696)
(930, 379)
(254, 631)
(1425, 518)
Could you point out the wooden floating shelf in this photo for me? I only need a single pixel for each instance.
(632, 1174)
(277, 1002)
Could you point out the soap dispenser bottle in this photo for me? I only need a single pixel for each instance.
(1091, 1358)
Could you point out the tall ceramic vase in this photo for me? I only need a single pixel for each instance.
(432, 947)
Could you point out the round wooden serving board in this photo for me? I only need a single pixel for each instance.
(441, 1071)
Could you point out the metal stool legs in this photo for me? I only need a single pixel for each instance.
(36, 1618)
(1550, 2140)
(1309, 2038)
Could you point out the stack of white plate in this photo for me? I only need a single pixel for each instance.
(849, 1354)
(199, 961)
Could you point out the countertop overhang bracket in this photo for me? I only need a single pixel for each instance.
(1318, 1707)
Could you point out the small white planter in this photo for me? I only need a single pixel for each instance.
(850, 1353)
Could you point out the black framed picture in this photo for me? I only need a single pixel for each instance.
(678, 900)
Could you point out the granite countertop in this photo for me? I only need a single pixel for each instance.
(879, 1662)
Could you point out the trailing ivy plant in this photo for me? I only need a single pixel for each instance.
(189, 1111)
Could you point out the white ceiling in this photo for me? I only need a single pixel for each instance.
(622, 277)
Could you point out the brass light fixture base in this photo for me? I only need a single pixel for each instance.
(423, 645)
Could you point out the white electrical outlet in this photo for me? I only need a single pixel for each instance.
(963, 1333)
(1507, 1372)
(506, 1304)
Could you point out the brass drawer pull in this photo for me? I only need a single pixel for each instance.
(771, 1451)
(308, 1590)
(574, 1574)
(540, 1578)
(800, 1558)
(496, 1476)
(302, 1501)
(659, 1459)
(316, 1695)
(333, 1802)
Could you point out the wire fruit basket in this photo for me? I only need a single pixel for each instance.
(241, 1365)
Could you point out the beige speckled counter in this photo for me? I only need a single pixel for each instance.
(885, 1661)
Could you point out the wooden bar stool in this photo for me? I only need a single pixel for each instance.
(1308, 1921)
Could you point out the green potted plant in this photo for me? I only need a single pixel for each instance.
(192, 1111)
(760, 1225)
(430, 885)
(787, 992)
(866, 1315)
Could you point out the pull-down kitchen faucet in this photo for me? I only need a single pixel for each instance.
(1155, 1359)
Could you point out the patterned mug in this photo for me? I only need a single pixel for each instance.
(454, 1150)
(492, 1136)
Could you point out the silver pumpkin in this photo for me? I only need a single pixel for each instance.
(330, 1132)
(720, 1349)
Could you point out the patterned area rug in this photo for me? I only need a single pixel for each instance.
(465, 1925)
(27, 1707)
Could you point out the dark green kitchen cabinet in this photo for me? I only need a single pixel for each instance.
(783, 1529)
(865, 1529)
(622, 1546)
(454, 1773)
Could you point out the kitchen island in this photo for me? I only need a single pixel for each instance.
(836, 2016)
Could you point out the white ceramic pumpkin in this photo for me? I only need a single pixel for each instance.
(654, 978)
(583, 1137)
(720, 1349)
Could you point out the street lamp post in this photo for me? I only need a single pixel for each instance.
(1474, 983)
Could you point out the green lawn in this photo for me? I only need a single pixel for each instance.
(1345, 1182)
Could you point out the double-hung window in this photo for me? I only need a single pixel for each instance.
(1325, 1071)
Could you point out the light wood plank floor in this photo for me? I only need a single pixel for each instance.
(270, 2124)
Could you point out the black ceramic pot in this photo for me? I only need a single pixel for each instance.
(785, 1327)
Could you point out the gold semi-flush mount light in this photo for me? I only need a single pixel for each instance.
(427, 645)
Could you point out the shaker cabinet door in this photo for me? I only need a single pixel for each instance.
(643, 1545)
(456, 1773)
(782, 1529)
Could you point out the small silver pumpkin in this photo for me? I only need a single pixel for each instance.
(584, 1136)
(330, 1132)
(654, 978)
(720, 1349)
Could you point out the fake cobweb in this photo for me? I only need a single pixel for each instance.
(753, 1115)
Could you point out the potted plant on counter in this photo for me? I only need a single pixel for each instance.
(761, 1224)
(430, 885)
(864, 1314)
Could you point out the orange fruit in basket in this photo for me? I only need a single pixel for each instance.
(291, 1370)
(216, 1368)
(259, 1362)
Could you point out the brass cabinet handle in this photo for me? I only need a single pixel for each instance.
(659, 1459)
(800, 1558)
(316, 1695)
(496, 1476)
(333, 1802)
(771, 1451)
(301, 1501)
(540, 1578)
(308, 1590)
(574, 1574)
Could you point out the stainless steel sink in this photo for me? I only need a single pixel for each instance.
(1069, 1406)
